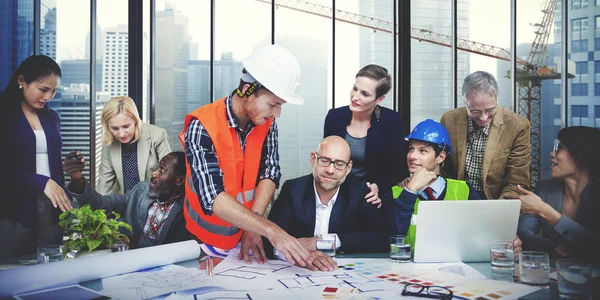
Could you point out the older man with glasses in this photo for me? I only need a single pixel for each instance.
(493, 150)
(330, 200)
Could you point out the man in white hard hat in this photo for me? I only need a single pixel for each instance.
(231, 147)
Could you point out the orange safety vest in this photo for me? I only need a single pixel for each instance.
(240, 172)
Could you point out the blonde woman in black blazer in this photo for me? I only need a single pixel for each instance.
(128, 142)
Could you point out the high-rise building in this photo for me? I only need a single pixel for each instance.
(48, 29)
(74, 114)
(227, 77)
(78, 71)
(194, 48)
(377, 47)
(171, 72)
(301, 126)
(431, 74)
(115, 61)
(584, 89)
(16, 36)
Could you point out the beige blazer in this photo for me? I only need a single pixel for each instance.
(507, 152)
(151, 147)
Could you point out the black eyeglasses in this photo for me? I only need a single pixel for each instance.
(432, 292)
(326, 161)
(557, 147)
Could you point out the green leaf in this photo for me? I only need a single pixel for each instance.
(93, 244)
(125, 225)
(104, 230)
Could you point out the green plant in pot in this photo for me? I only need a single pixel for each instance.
(87, 229)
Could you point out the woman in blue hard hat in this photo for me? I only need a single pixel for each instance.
(428, 147)
(374, 133)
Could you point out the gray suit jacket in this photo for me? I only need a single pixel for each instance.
(133, 208)
(152, 146)
(580, 240)
(507, 151)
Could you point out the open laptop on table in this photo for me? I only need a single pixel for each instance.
(450, 231)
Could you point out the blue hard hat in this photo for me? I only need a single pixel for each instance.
(433, 132)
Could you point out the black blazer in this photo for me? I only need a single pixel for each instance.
(385, 160)
(358, 224)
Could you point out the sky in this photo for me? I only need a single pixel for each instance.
(484, 26)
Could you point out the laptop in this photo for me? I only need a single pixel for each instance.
(452, 231)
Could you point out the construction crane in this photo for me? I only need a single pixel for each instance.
(529, 75)
(529, 79)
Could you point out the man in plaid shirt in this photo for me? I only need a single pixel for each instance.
(492, 143)
(154, 208)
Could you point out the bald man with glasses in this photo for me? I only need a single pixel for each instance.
(493, 150)
(330, 200)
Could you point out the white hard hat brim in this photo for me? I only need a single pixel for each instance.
(292, 99)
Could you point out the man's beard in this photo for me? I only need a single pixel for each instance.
(160, 193)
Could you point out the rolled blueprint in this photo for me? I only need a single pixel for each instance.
(31, 278)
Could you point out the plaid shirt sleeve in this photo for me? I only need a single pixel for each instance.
(269, 162)
(204, 165)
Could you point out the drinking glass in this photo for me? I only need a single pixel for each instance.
(50, 253)
(502, 256)
(326, 243)
(534, 268)
(399, 248)
(574, 278)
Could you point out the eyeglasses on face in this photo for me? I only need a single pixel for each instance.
(557, 147)
(431, 292)
(478, 113)
(326, 161)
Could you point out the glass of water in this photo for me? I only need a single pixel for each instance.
(502, 255)
(50, 253)
(120, 245)
(534, 268)
(399, 248)
(326, 243)
(574, 278)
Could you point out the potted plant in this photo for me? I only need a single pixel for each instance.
(87, 229)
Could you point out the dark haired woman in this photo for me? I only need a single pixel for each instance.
(32, 194)
(374, 133)
(563, 220)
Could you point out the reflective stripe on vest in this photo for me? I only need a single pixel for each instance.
(455, 190)
(239, 169)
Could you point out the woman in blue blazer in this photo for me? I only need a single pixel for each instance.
(374, 133)
(33, 195)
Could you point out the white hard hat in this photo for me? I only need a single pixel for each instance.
(276, 69)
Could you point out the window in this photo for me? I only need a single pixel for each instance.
(597, 90)
(581, 67)
(579, 115)
(579, 89)
(579, 32)
(579, 4)
(311, 46)
(597, 116)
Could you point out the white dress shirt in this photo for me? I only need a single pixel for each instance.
(323, 214)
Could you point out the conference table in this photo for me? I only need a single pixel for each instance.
(548, 292)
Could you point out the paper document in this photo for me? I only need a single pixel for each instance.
(154, 282)
(73, 271)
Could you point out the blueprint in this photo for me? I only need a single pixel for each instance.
(153, 282)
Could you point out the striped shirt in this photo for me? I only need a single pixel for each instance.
(204, 163)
